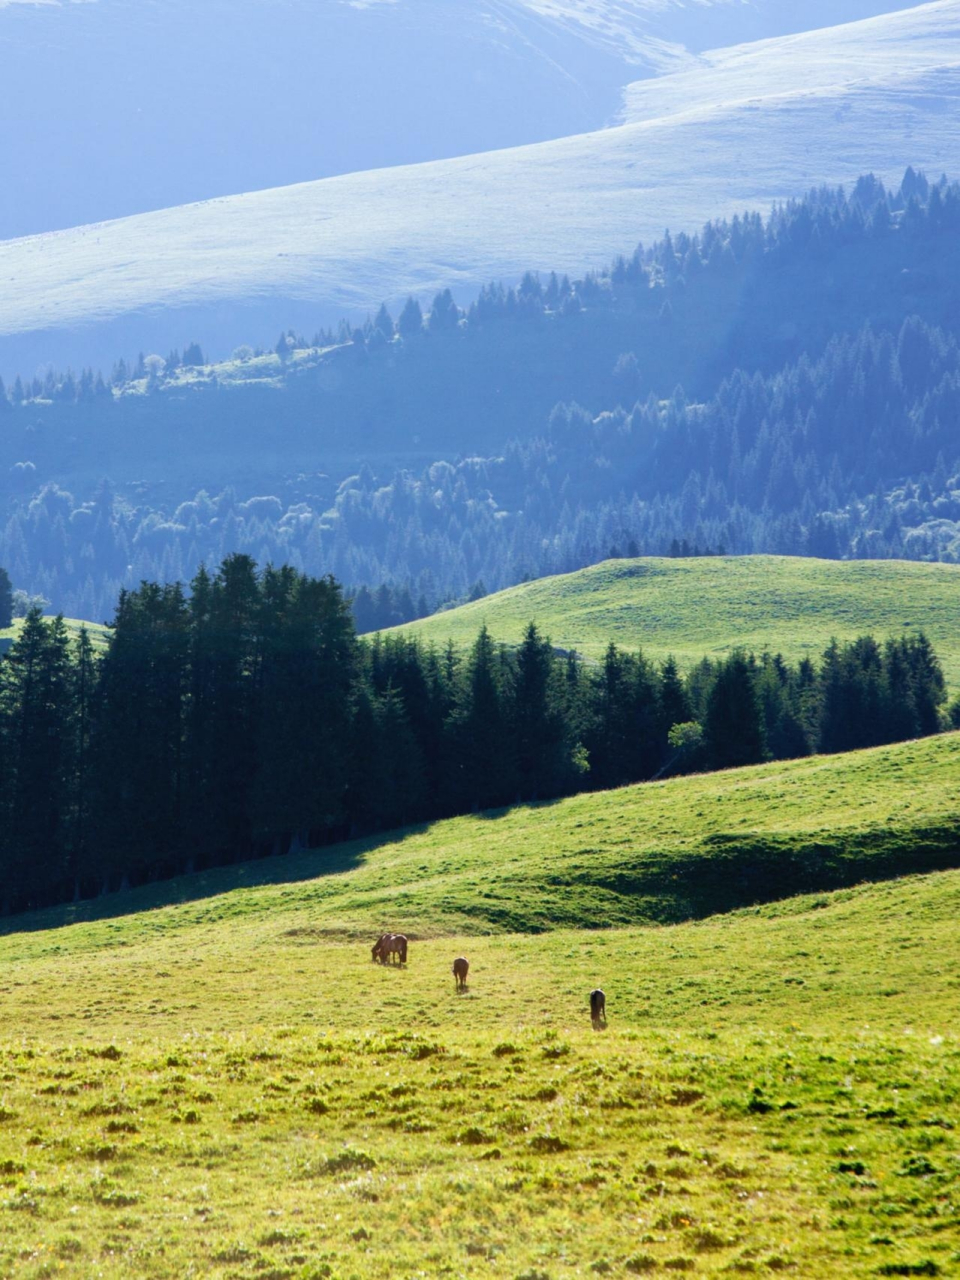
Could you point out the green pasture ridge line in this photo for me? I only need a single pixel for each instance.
(707, 606)
(98, 632)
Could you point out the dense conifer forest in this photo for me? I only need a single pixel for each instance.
(246, 718)
(788, 384)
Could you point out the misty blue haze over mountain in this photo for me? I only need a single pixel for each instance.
(124, 108)
(680, 134)
(356, 286)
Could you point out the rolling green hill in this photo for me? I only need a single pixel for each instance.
(705, 607)
(98, 632)
(229, 1087)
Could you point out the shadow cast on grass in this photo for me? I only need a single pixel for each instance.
(197, 886)
(732, 871)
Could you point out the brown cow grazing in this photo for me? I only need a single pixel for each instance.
(598, 1009)
(461, 968)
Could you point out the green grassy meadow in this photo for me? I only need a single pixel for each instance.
(97, 631)
(211, 1078)
(695, 608)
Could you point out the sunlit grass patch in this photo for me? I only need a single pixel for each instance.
(756, 1105)
(696, 608)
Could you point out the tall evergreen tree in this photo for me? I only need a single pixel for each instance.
(540, 744)
(138, 810)
(6, 599)
(733, 725)
(231, 711)
(623, 739)
(480, 768)
(85, 684)
(38, 705)
(307, 654)
(411, 319)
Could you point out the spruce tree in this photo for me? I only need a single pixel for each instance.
(6, 599)
(733, 726)
(138, 815)
(480, 770)
(674, 704)
(536, 724)
(411, 319)
(231, 704)
(306, 668)
(38, 706)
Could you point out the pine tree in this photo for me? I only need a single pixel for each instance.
(138, 820)
(6, 599)
(307, 657)
(929, 686)
(384, 322)
(38, 713)
(674, 704)
(411, 319)
(480, 768)
(623, 735)
(85, 681)
(733, 726)
(228, 673)
(444, 313)
(540, 743)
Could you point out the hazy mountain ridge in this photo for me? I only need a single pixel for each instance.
(818, 350)
(225, 270)
(876, 51)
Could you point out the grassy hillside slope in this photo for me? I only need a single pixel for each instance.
(232, 1089)
(651, 853)
(98, 632)
(705, 607)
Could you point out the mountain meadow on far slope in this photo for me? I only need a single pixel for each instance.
(693, 608)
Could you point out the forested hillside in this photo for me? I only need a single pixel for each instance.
(248, 719)
(789, 384)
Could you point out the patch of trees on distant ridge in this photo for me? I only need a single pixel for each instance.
(806, 462)
(246, 719)
(818, 348)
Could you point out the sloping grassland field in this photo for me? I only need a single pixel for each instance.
(99, 634)
(696, 608)
(227, 1085)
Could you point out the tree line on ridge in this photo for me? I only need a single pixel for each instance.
(246, 718)
(645, 425)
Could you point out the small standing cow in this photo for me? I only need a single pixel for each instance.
(461, 968)
(598, 1009)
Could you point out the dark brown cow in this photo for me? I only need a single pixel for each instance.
(461, 967)
(598, 1009)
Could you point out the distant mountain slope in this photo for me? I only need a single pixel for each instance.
(786, 385)
(225, 270)
(693, 608)
(142, 106)
(878, 52)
